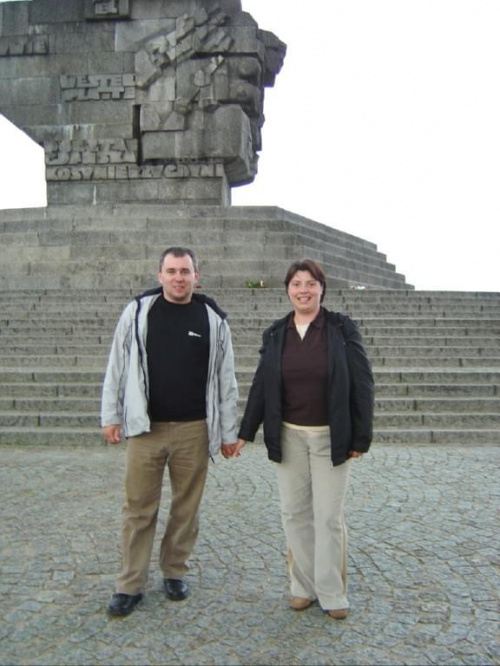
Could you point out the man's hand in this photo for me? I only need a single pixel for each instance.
(112, 434)
(233, 450)
(227, 450)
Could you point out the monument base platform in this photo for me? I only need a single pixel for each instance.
(118, 245)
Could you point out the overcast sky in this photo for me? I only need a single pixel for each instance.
(384, 122)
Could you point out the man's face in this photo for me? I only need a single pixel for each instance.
(178, 278)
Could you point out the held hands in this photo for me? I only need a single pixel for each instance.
(112, 434)
(232, 450)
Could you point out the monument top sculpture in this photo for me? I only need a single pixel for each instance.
(138, 100)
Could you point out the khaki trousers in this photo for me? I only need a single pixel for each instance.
(312, 495)
(183, 448)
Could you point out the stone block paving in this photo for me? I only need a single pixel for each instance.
(424, 539)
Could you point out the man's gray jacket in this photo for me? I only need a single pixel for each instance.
(126, 383)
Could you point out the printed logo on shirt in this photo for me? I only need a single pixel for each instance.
(193, 334)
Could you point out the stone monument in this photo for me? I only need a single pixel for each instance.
(138, 100)
(149, 111)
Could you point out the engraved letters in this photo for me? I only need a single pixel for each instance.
(97, 87)
(106, 9)
(23, 46)
(112, 151)
(133, 172)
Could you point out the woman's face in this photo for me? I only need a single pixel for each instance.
(304, 292)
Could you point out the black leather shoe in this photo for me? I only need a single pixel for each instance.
(123, 604)
(177, 590)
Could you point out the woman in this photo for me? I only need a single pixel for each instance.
(313, 390)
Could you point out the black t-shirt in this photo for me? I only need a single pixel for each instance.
(177, 344)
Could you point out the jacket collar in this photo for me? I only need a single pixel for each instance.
(201, 298)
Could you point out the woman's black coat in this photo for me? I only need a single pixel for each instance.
(350, 390)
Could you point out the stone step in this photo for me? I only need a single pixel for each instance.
(242, 336)
(82, 418)
(58, 395)
(402, 390)
(44, 348)
(438, 377)
(13, 419)
(254, 298)
(413, 341)
(437, 390)
(146, 219)
(415, 309)
(244, 345)
(372, 295)
(239, 316)
(100, 243)
(447, 351)
(353, 265)
(46, 345)
(257, 321)
(448, 420)
(432, 405)
(54, 361)
(400, 362)
(414, 409)
(14, 436)
(97, 361)
(396, 326)
(37, 390)
(26, 392)
(35, 405)
(399, 326)
(72, 378)
(245, 349)
(436, 436)
(228, 272)
(254, 327)
(138, 281)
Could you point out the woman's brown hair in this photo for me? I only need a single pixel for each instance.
(312, 267)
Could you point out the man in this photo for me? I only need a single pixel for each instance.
(170, 388)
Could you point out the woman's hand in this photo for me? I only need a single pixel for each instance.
(355, 454)
(235, 451)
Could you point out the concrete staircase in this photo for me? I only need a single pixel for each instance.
(436, 358)
(103, 247)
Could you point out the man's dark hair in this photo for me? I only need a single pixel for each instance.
(180, 252)
(312, 267)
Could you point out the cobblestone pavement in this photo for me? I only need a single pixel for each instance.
(423, 565)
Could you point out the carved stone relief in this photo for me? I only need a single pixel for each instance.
(184, 92)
